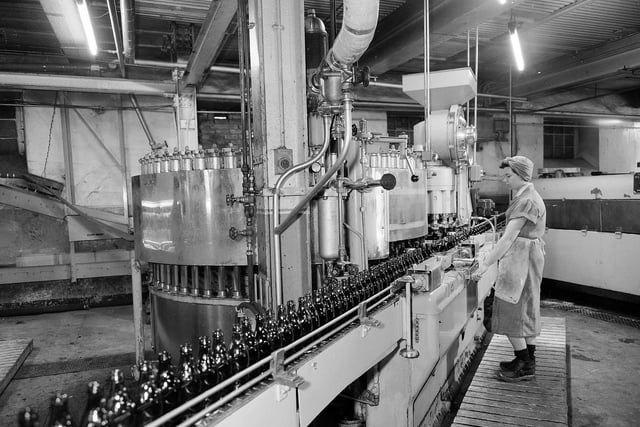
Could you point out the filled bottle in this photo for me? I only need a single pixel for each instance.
(239, 352)
(27, 417)
(220, 355)
(120, 406)
(59, 415)
(95, 413)
(187, 375)
(166, 382)
(205, 364)
(249, 337)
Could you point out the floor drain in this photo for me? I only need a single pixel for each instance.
(592, 312)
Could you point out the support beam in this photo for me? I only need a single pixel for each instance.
(210, 40)
(84, 84)
(400, 37)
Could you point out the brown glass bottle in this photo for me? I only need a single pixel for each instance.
(187, 374)
(59, 415)
(27, 417)
(95, 412)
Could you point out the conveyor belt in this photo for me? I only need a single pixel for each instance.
(12, 355)
(490, 402)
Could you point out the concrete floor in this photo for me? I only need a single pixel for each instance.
(72, 348)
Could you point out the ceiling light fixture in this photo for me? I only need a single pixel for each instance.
(86, 25)
(515, 45)
(502, 1)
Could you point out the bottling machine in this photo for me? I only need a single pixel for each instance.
(387, 315)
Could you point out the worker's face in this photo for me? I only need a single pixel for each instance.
(512, 179)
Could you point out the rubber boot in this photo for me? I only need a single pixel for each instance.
(523, 370)
(510, 365)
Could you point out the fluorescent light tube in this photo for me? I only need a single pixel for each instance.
(515, 45)
(86, 25)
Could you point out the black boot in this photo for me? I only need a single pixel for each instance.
(523, 369)
(531, 348)
(510, 366)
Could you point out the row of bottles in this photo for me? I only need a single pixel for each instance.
(161, 386)
(200, 159)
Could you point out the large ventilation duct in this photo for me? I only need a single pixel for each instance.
(358, 27)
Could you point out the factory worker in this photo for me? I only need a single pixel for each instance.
(520, 257)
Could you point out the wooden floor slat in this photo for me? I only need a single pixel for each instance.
(541, 402)
(12, 354)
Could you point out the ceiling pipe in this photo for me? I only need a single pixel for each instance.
(179, 64)
(127, 13)
(117, 36)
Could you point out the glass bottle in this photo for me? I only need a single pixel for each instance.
(250, 338)
(262, 343)
(238, 351)
(59, 415)
(292, 319)
(205, 364)
(95, 412)
(304, 317)
(27, 417)
(221, 362)
(285, 330)
(148, 405)
(187, 374)
(120, 406)
(166, 382)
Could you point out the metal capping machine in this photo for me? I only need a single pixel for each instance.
(393, 244)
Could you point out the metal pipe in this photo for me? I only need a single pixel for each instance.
(358, 27)
(347, 102)
(363, 246)
(128, 29)
(117, 36)
(143, 123)
(475, 104)
(427, 83)
(409, 352)
(483, 219)
(326, 120)
(181, 64)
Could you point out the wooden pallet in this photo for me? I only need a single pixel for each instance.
(490, 402)
(12, 354)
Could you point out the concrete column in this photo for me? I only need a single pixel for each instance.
(278, 91)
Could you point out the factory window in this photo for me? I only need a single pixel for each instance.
(559, 139)
(402, 123)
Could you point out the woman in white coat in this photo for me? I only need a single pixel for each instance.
(520, 257)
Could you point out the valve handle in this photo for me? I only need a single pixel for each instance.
(388, 181)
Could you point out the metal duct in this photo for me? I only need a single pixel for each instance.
(128, 29)
(358, 27)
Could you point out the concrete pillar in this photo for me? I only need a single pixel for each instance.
(278, 91)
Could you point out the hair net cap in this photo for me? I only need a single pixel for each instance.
(521, 165)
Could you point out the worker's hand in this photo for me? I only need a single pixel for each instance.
(482, 268)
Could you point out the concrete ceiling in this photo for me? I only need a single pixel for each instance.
(568, 44)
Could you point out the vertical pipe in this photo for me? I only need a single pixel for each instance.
(138, 323)
(123, 163)
(326, 120)
(221, 281)
(475, 102)
(427, 82)
(69, 176)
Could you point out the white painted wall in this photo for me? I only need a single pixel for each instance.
(619, 148)
(97, 177)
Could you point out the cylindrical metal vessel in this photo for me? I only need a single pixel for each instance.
(179, 319)
(183, 218)
(328, 225)
(441, 190)
(376, 219)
